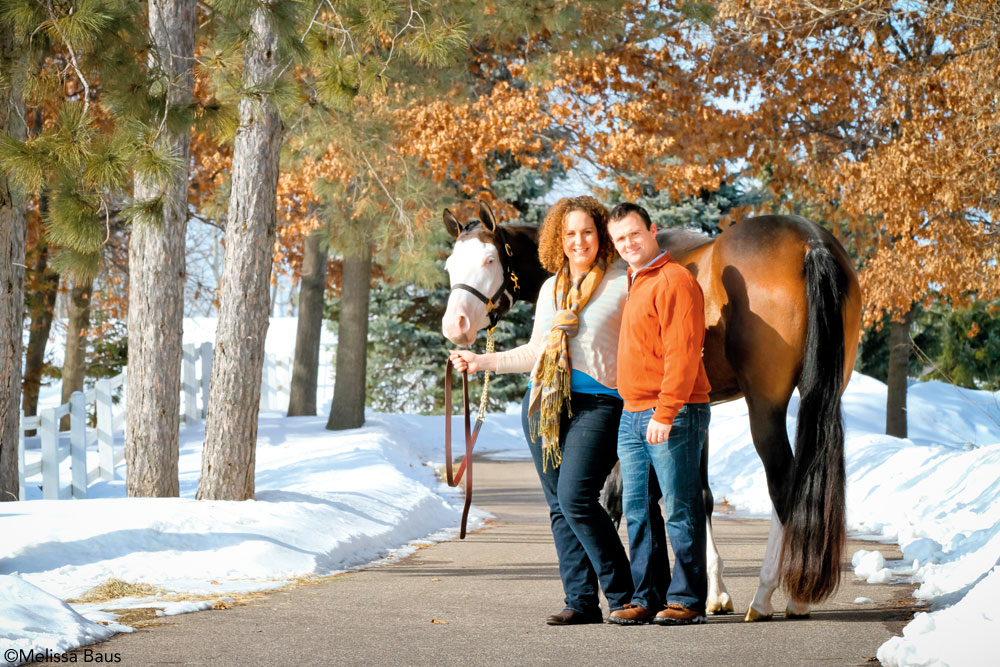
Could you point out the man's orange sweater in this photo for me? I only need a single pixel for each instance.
(660, 341)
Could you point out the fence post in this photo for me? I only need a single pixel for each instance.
(189, 385)
(21, 491)
(78, 444)
(49, 430)
(105, 430)
(206, 376)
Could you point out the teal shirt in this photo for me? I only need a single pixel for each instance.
(582, 383)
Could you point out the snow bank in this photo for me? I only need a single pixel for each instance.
(34, 623)
(935, 493)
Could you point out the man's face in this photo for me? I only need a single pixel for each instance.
(636, 244)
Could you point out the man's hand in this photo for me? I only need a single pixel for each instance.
(657, 432)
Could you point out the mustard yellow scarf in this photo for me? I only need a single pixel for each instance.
(550, 384)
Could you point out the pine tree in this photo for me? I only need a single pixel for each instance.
(227, 471)
(157, 266)
(12, 230)
(305, 367)
(42, 288)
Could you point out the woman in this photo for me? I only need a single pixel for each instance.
(571, 412)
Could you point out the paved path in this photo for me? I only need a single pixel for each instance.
(483, 601)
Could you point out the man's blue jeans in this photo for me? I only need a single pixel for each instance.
(676, 463)
(587, 544)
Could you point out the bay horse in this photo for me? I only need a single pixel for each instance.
(782, 310)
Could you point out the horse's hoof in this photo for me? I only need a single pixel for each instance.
(797, 610)
(720, 605)
(754, 616)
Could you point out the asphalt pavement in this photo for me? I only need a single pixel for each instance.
(483, 600)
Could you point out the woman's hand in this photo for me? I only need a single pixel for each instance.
(467, 361)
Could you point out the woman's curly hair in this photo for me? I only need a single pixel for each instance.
(550, 236)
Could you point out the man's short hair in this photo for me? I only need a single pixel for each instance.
(622, 210)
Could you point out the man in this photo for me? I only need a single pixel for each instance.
(662, 378)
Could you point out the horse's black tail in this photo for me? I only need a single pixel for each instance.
(815, 508)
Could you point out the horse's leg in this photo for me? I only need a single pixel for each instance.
(611, 495)
(770, 438)
(760, 608)
(719, 601)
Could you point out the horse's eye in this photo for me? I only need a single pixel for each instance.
(489, 260)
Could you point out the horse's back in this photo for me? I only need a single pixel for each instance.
(755, 301)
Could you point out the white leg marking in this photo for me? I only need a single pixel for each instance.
(760, 608)
(797, 609)
(719, 601)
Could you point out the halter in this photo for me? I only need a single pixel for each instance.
(509, 288)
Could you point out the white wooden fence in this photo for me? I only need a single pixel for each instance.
(92, 454)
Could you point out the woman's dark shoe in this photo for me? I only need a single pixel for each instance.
(571, 617)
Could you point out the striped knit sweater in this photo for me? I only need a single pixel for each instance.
(594, 349)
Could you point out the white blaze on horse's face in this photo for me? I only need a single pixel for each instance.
(475, 263)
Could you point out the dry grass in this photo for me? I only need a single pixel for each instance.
(140, 617)
(115, 589)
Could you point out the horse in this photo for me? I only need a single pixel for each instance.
(782, 311)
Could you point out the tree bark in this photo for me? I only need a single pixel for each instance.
(227, 469)
(40, 305)
(156, 278)
(348, 408)
(12, 229)
(42, 312)
(899, 362)
(75, 360)
(305, 368)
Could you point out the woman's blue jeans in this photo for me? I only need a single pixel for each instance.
(587, 544)
(676, 463)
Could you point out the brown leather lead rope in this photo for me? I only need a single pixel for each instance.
(470, 442)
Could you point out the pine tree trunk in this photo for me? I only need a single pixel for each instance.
(41, 304)
(899, 362)
(12, 217)
(156, 279)
(348, 409)
(75, 360)
(227, 469)
(305, 369)
(42, 312)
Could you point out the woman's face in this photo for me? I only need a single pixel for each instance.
(580, 242)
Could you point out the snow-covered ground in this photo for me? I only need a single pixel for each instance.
(328, 502)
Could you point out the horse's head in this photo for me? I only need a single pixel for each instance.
(479, 269)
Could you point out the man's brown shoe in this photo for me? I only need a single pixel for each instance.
(676, 614)
(631, 614)
(571, 617)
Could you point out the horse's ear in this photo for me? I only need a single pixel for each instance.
(451, 223)
(486, 216)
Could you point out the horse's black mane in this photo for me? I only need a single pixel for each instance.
(475, 225)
